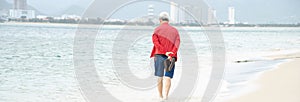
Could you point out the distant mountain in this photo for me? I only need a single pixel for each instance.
(5, 5)
(77, 10)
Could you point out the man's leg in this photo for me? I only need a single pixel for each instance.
(167, 86)
(160, 86)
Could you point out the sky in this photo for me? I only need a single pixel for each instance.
(267, 11)
(251, 11)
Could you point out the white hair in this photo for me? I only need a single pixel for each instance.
(164, 16)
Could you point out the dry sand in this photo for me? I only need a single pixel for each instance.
(281, 84)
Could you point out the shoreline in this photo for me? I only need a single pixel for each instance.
(76, 24)
(279, 84)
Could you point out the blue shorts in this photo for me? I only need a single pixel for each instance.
(159, 66)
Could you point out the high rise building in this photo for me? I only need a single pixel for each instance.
(173, 12)
(177, 13)
(20, 4)
(20, 10)
(150, 12)
(181, 15)
(211, 16)
(231, 15)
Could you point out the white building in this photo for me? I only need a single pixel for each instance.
(18, 13)
(150, 10)
(115, 20)
(20, 10)
(181, 15)
(177, 13)
(211, 16)
(66, 16)
(41, 17)
(231, 15)
(173, 12)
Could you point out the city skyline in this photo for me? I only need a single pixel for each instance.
(279, 11)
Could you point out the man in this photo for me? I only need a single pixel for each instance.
(166, 42)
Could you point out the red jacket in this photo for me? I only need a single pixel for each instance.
(165, 39)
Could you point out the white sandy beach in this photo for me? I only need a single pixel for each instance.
(279, 85)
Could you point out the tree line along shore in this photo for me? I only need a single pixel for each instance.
(140, 23)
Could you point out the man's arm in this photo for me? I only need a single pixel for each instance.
(176, 44)
(157, 43)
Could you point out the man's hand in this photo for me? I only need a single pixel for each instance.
(168, 53)
(170, 58)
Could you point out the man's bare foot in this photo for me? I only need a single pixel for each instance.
(161, 99)
(165, 98)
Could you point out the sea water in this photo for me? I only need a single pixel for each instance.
(37, 60)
